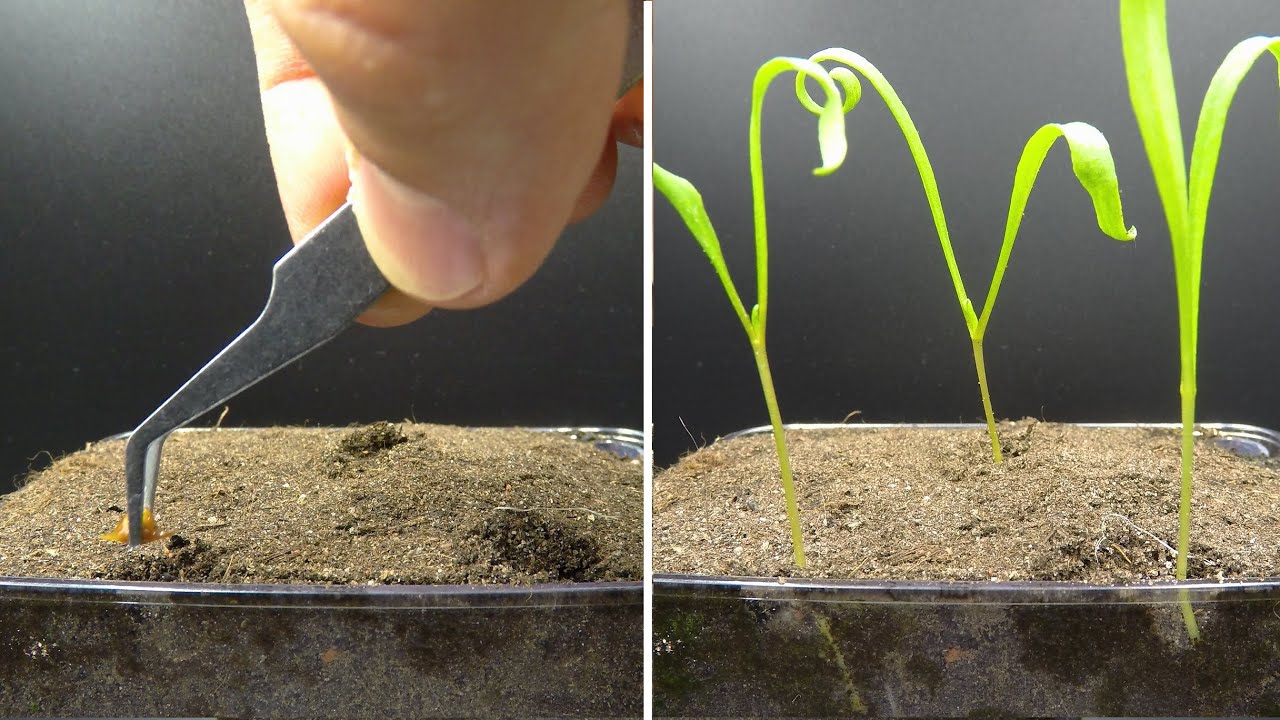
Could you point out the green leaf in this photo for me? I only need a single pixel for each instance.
(1091, 159)
(832, 144)
(1094, 168)
(1146, 52)
(1209, 131)
(1155, 106)
(1144, 37)
(970, 317)
(829, 122)
(687, 201)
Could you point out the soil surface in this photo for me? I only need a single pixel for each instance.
(1068, 503)
(383, 504)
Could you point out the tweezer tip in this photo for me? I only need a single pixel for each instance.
(135, 471)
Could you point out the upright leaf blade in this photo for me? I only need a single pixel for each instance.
(1146, 52)
(687, 201)
(1155, 103)
(1212, 125)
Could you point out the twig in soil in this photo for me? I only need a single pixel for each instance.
(31, 460)
(1148, 533)
(275, 556)
(211, 526)
(1123, 554)
(865, 559)
(22, 479)
(910, 554)
(565, 509)
(409, 523)
(227, 574)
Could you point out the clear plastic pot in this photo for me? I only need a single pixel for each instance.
(761, 647)
(129, 649)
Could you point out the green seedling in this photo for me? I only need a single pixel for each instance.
(688, 203)
(1184, 194)
(1090, 159)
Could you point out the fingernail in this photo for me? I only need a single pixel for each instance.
(353, 158)
(631, 132)
(424, 248)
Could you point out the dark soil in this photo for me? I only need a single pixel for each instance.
(383, 504)
(1068, 503)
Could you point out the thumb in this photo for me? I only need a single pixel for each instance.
(474, 128)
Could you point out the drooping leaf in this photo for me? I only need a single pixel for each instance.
(915, 145)
(1095, 169)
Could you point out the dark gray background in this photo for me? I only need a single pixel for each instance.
(139, 221)
(862, 311)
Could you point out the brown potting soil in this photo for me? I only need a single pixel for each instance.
(1068, 503)
(404, 504)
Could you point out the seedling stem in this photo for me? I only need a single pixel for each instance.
(784, 457)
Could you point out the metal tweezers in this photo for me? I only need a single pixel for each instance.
(317, 290)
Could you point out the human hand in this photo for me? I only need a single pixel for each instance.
(466, 134)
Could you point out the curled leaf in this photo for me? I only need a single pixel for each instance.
(832, 144)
